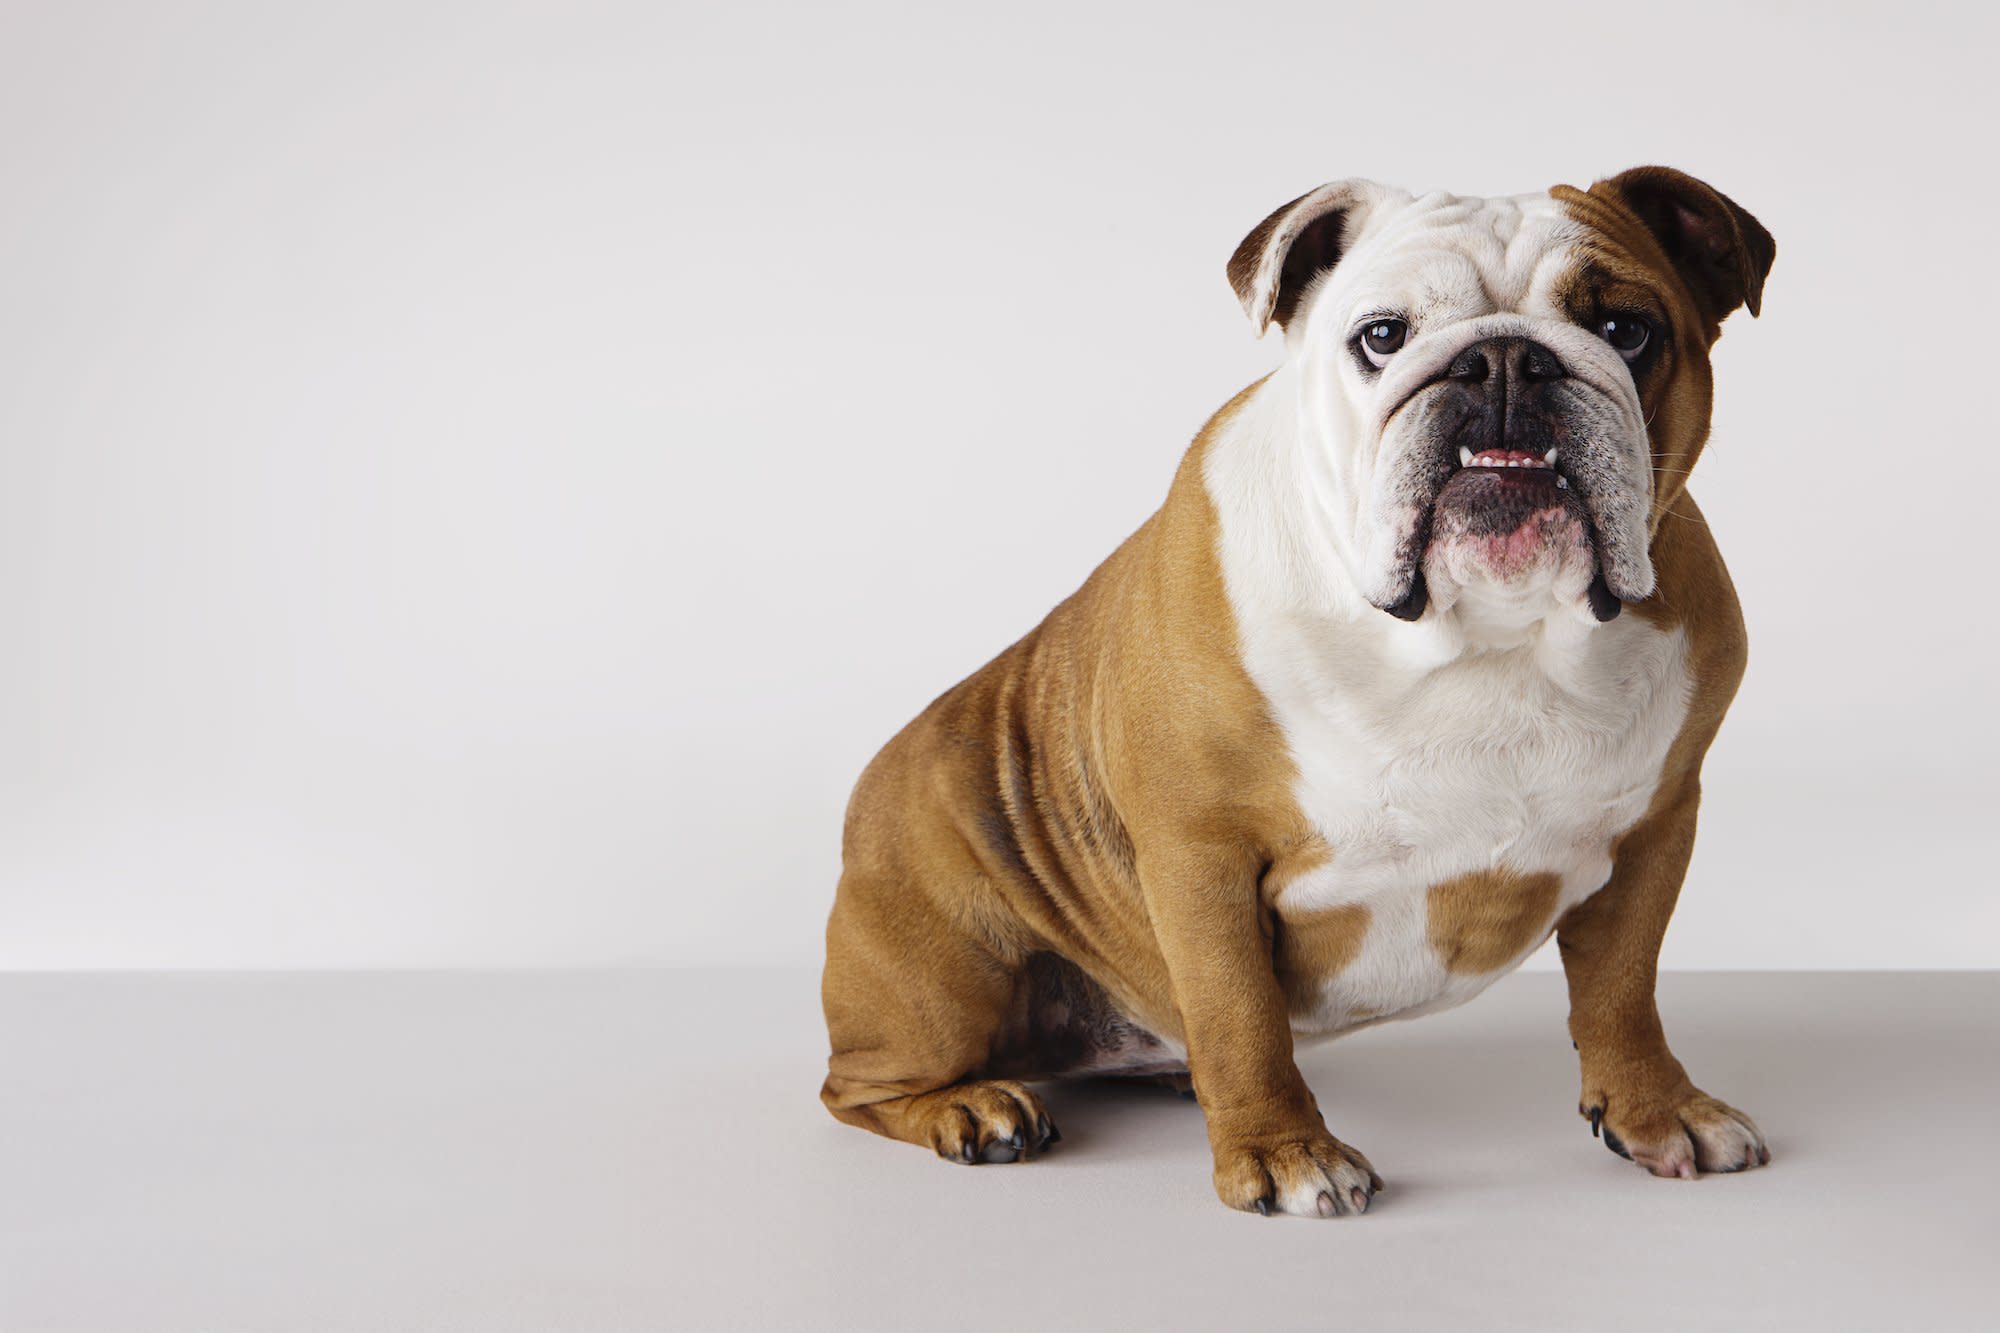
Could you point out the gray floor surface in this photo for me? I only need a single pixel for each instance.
(643, 1150)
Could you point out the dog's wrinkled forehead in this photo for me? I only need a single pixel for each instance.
(1436, 256)
(1445, 254)
(1441, 258)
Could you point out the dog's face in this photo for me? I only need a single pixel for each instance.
(1502, 397)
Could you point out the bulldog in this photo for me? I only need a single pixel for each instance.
(1416, 665)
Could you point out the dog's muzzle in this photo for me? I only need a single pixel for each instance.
(1505, 439)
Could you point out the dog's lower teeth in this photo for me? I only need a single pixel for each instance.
(1464, 456)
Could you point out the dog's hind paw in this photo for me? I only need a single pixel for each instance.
(990, 1121)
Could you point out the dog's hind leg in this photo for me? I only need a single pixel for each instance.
(916, 1006)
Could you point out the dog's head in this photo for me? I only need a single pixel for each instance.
(1500, 398)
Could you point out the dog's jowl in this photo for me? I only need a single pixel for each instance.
(1416, 665)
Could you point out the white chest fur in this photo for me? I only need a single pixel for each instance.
(1489, 763)
(1427, 753)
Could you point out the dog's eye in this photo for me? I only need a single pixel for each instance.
(1628, 334)
(1382, 339)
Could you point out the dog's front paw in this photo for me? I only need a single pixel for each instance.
(1680, 1136)
(1307, 1173)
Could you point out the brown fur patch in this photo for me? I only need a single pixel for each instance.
(1312, 947)
(1485, 920)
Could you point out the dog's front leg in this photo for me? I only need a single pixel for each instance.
(1635, 1092)
(1272, 1149)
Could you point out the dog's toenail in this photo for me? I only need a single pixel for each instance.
(1325, 1204)
(1360, 1198)
(1263, 1207)
(1596, 1120)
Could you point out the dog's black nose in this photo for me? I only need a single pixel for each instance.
(1505, 389)
(1521, 360)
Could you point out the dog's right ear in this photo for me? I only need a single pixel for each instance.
(1283, 254)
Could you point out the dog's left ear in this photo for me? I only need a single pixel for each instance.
(1283, 254)
(1720, 251)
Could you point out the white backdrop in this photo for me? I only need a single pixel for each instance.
(480, 480)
